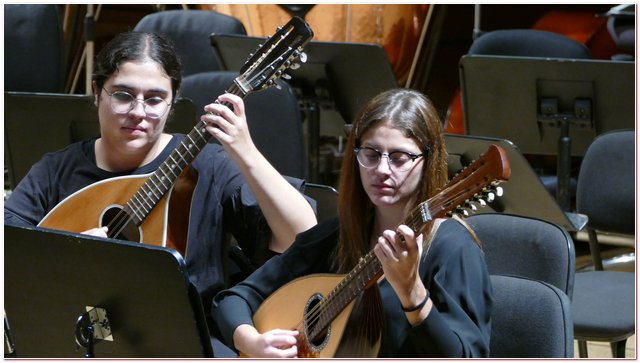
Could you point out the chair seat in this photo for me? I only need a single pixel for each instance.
(603, 305)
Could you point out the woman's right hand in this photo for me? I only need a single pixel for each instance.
(99, 232)
(277, 343)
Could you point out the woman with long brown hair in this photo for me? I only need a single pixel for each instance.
(435, 290)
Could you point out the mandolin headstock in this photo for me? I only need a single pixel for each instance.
(281, 51)
(478, 183)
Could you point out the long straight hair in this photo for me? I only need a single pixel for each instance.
(412, 113)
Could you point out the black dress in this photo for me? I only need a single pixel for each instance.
(453, 270)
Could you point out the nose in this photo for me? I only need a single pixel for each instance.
(138, 109)
(383, 166)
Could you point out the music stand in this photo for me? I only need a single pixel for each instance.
(60, 119)
(337, 76)
(547, 106)
(524, 194)
(137, 298)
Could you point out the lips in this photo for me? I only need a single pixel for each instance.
(134, 128)
(383, 187)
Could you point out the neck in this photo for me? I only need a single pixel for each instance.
(115, 159)
(384, 219)
(390, 217)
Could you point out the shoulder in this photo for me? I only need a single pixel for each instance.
(73, 151)
(212, 155)
(68, 157)
(452, 237)
(323, 235)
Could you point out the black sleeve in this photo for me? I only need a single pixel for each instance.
(250, 226)
(459, 322)
(32, 198)
(310, 253)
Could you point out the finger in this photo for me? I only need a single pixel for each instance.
(98, 232)
(407, 236)
(283, 340)
(294, 333)
(215, 121)
(216, 109)
(397, 242)
(234, 100)
(290, 352)
(386, 251)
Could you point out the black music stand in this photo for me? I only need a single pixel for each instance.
(524, 194)
(547, 106)
(136, 298)
(337, 76)
(59, 119)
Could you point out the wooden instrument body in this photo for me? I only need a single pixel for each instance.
(286, 308)
(166, 225)
(155, 208)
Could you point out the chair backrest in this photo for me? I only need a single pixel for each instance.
(69, 118)
(527, 247)
(190, 31)
(530, 319)
(273, 115)
(34, 49)
(326, 198)
(606, 183)
(529, 43)
(621, 27)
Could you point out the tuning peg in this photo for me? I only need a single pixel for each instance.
(499, 191)
(491, 197)
(286, 76)
(294, 66)
(303, 57)
(481, 202)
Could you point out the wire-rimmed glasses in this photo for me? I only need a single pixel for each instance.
(123, 102)
(398, 160)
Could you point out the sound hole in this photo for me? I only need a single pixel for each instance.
(121, 225)
(317, 335)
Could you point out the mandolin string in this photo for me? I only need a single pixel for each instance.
(315, 314)
(123, 218)
(414, 220)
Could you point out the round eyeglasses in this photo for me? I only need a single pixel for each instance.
(123, 102)
(398, 160)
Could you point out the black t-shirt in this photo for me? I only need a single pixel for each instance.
(222, 204)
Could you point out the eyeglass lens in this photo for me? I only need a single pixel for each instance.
(123, 102)
(398, 160)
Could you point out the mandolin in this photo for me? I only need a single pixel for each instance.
(154, 208)
(319, 305)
